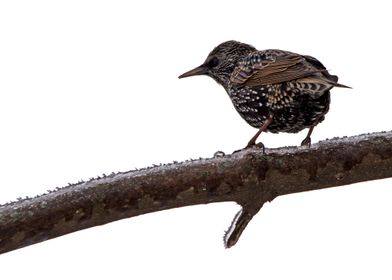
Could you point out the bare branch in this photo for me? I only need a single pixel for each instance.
(249, 177)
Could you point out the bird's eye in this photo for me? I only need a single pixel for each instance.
(213, 62)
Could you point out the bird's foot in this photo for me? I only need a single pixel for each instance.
(259, 145)
(306, 142)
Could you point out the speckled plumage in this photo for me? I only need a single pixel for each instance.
(273, 90)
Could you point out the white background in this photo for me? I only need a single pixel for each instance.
(90, 87)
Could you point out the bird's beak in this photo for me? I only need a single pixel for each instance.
(200, 70)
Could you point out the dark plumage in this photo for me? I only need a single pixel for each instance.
(273, 90)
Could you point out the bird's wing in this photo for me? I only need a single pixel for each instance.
(271, 67)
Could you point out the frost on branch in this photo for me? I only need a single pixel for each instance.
(249, 178)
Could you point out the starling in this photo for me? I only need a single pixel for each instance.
(272, 90)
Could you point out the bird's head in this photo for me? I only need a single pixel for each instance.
(221, 61)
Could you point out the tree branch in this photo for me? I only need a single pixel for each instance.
(249, 177)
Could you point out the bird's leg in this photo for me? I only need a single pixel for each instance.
(252, 142)
(307, 141)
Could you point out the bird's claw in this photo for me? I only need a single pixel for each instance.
(237, 151)
(306, 142)
(259, 145)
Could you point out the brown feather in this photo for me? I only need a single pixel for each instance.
(292, 73)
(284, 68)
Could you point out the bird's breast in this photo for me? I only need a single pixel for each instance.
(292, 110)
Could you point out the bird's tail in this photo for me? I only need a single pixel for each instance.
(333, 80)
(316, 86)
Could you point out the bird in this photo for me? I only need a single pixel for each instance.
(272, 90)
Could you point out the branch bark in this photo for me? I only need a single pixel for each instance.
(249, 178)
